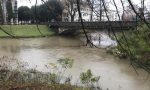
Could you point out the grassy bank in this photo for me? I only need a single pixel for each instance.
(25, 31)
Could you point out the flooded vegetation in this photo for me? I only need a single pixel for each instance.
(37, 53)
(14, 76)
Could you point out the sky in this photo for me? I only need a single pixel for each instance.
(29, 4)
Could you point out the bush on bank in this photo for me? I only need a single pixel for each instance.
(136, 45)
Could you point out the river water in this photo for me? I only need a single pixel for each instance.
(115, 74)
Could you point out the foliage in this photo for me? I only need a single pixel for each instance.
(137, 45)
(66, 62)
(52, 9)
(60, 68)
(31, 79)
(24, 13)
(9, 10)
(56, 9)
(40, 13)
(89, 79)
(20, 78)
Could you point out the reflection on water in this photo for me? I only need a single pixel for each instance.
(102, 40)
(115, 74)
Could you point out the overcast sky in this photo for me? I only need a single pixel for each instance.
(29, 4)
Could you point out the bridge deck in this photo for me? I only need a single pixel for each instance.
(95, 25)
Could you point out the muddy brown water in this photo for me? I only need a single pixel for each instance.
(115, 74)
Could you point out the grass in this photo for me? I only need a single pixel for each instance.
(26, 30)
(32, 80)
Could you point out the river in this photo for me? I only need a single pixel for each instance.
(115, 74)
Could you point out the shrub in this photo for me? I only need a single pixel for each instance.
(137, 46)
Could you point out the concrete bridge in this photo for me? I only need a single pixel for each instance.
(115, 25)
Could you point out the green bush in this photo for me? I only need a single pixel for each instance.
(89, 80)
(137, 44)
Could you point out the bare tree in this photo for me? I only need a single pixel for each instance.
(97, 8)
(70, 8)
(91, 4)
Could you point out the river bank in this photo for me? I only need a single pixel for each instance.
(33, 80)
(25, 31)
(20, 78)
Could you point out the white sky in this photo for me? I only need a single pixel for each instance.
(29, 4)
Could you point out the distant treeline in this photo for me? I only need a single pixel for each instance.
(48, 11)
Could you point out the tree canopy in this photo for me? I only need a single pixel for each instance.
(52, 9)
(9, 10)
(24, 13)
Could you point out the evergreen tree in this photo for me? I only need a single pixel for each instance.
(9, 10)
(24, 13)
(51, 10)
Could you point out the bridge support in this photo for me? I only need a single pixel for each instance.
(55, 29)
(67, 32)
(58, 30)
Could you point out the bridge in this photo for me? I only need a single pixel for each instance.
(115, 25)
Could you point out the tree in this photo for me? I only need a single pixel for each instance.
(9, 10)
(24, 13)
(71, 8)
(44, 14)
(34, 14)
(40, 14)
(52, 9)
(97, 8)
(56, 9)
(148, 16)
(1, 13)
(91, 4)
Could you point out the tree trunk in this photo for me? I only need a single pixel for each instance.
(100, 17)
(72, 18)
